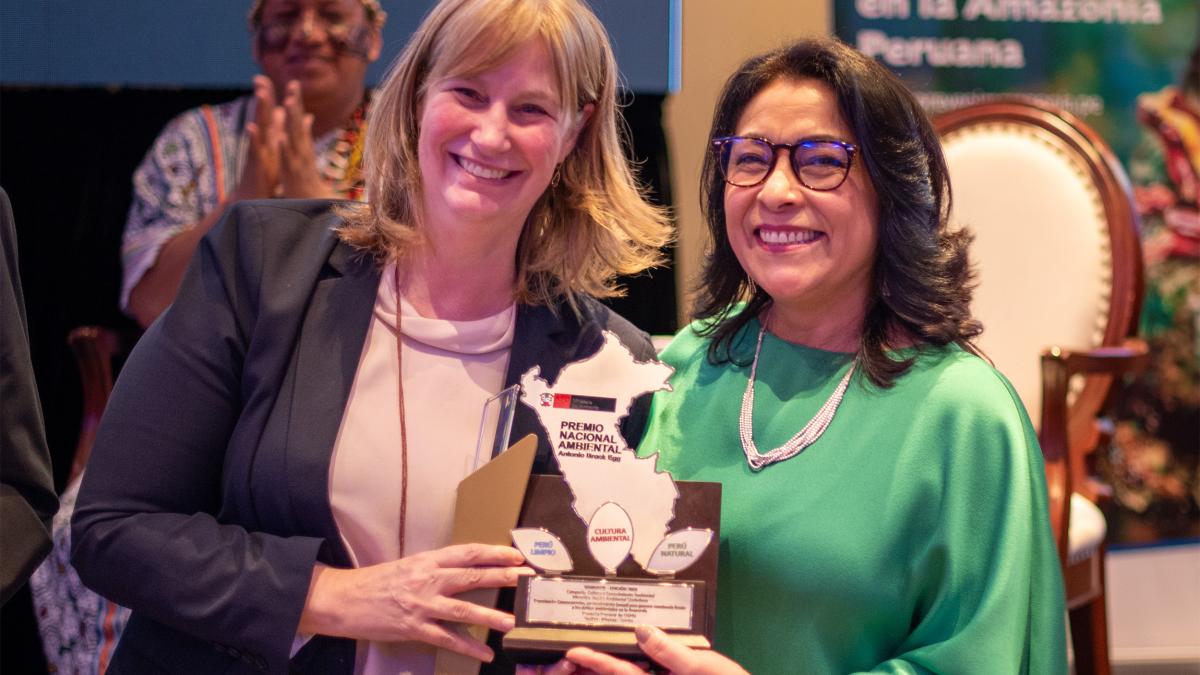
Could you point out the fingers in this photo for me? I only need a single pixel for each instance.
(263, 131)
(455, 581)
(445, 637)
(477, 555)
(667, 652)
(659, 646)
(298, 157)
(256, 137)
(602, 663)
(264, 97)
(678, 658)
(409, 599)
(278, 127)
(260, 173)
(563, 667)
(298, 124)
(461, 611)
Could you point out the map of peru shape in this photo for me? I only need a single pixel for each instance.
(592, 454)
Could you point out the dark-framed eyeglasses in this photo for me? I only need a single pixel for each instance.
(819, 164)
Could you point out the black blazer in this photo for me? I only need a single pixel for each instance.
(205, 504)
(27, 499)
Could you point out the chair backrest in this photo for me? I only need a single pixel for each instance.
(1056, 245)
(94, 348)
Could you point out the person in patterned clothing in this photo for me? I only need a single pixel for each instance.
(299, 135)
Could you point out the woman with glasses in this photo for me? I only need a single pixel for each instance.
(272, 488)
(884, 505)
(300, 135)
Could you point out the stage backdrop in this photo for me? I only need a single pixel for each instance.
(1128, 68)
(206, 44)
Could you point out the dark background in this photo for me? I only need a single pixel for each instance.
(66, 158)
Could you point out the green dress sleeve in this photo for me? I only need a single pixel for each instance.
(995, 591)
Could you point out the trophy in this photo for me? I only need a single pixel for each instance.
(488, 504)
(616, 542)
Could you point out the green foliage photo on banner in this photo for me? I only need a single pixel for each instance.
(1130, 69)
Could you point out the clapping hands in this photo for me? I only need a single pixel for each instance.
(281, 160)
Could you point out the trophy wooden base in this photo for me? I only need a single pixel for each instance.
(590, 608)
(540, 645)
(556, 613)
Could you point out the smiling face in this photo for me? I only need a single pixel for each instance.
(811, 251)
(488, 146)
(326, 45)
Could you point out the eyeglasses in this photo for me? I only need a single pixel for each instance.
(274, 34)
(818, 164)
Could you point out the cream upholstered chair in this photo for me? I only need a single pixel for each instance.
(1060, 283)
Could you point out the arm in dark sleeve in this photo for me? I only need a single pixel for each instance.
(156, 527)
(27, 500)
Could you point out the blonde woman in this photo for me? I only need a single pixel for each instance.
(272, 485)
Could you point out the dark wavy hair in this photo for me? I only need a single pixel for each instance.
(922, 282)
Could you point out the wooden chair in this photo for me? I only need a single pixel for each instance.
(94, 348)
(76, 625)
(1060, 285)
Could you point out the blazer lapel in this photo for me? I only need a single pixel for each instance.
(326, 359)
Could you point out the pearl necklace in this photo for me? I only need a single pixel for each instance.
(804, 438)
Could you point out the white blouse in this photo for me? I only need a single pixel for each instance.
(450, 369)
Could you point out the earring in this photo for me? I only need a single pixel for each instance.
(554, 180)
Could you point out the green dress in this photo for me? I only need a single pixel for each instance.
(912, 537)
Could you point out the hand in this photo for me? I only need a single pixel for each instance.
(664, 650)
(260, 175)
(407, 599)
(298, 176)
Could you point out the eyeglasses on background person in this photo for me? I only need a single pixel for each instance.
(819, 164)
(275, 32)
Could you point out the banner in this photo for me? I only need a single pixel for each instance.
(1091, 57)
(1131, 70)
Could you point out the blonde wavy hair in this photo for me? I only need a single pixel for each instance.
(590, 225)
